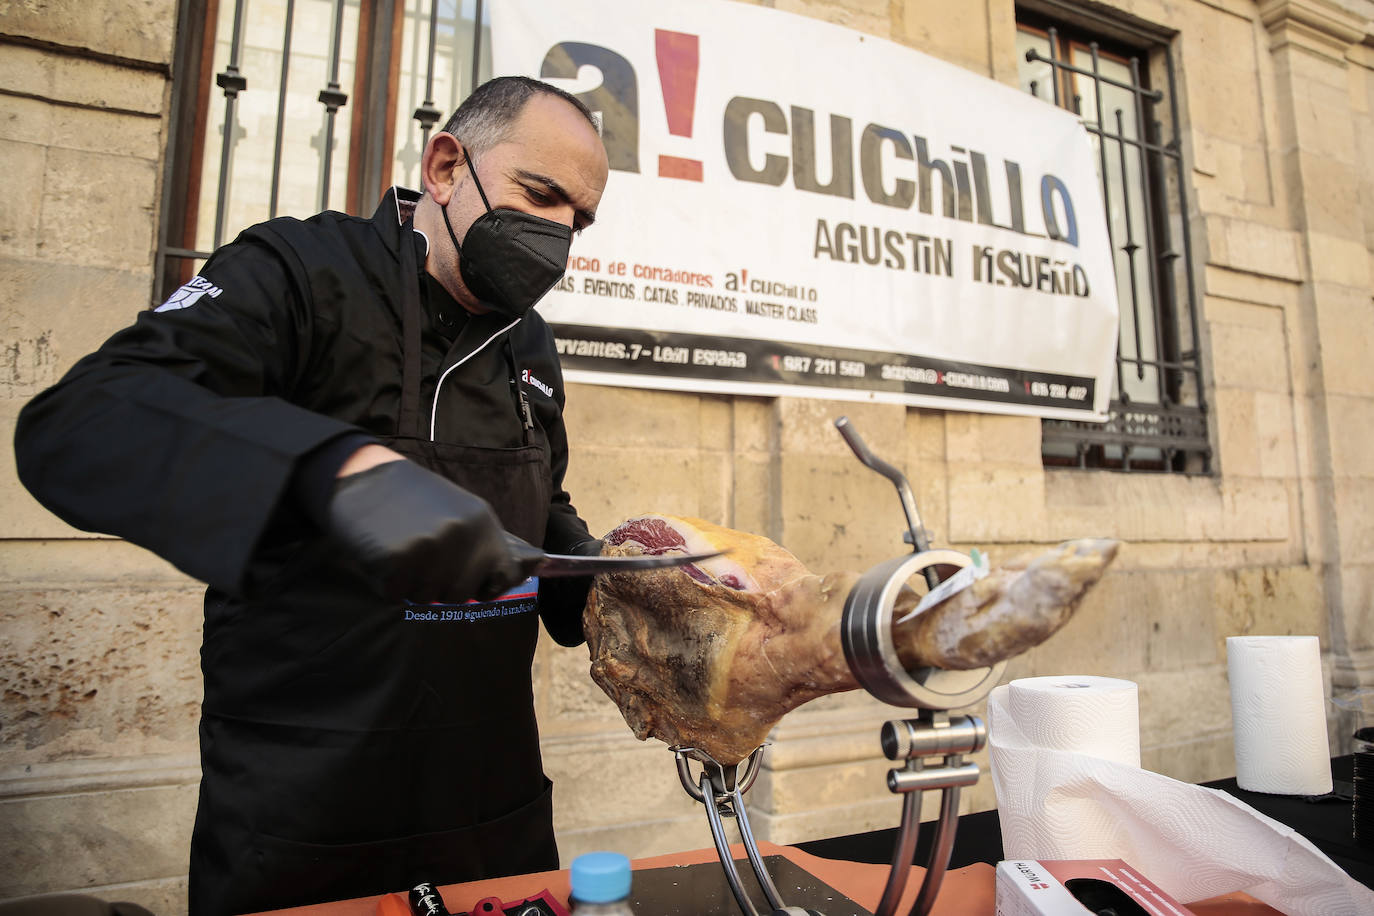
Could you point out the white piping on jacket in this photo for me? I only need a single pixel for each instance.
(434, 410)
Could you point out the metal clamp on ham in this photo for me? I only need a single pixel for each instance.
(709, 657)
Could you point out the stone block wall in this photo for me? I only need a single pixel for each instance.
(99, 669)
(99, 685)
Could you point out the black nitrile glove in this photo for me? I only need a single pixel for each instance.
(591, 548)
(424, 539)
(561, 600)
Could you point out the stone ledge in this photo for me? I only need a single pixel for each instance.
(161, 896)
(637, 840)
(1221, 281)
(1363, 54)
(1242, 9)
(65, 48)
(1250, 247)
(39, 123)
(840, 730)
(87, 562)
(600, 740)
(840, 820)
(1318, 26)
(129, 33)
(95, 839)
(107, 774)
(38, 73)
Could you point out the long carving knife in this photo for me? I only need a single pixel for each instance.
(558, 564)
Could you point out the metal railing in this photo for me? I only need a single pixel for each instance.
(1164, 429)
(179, 245)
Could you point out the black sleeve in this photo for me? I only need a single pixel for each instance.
(177, 434)
(317, 474)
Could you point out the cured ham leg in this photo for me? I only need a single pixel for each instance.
(713, 655)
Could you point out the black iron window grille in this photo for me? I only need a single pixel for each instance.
(1158, 413)
(287, 107)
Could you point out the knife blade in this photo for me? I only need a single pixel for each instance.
(560, 564)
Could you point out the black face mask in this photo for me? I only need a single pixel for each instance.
(509, 259)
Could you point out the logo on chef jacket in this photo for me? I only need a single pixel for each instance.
(189, 294)
(521, 599)
(528, 378)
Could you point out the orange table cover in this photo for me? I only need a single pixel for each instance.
(968, 891)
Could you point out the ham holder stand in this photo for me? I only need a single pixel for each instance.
(932, 745)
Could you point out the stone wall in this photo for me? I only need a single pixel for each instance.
(99, 685)
(99, 672)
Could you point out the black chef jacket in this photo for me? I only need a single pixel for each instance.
(349, 745)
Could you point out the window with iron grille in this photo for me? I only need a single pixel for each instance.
(328, 103)
(1158, 413)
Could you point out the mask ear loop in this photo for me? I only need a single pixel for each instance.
(467, 157)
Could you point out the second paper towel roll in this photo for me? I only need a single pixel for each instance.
(1097, 716)
(1278, 714)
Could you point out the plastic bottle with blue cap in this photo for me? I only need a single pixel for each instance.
(601, 885)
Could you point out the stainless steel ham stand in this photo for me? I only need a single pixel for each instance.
(932, 745)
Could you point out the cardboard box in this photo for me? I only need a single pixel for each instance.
(1082, 887)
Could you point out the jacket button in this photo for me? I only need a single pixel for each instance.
(446, 319)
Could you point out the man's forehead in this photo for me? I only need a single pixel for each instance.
(554, 143)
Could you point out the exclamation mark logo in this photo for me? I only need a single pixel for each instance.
(678, 58)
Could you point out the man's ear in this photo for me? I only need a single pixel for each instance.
(444, 155)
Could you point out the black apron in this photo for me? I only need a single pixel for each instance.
(353, 746)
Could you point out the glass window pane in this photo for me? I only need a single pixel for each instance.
(248, 194)
(1114, 98)
(1124, 190)
(452, 77)
(1035, 77)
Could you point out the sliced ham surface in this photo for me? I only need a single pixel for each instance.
(713, 655)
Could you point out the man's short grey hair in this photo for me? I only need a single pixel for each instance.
(486, 116)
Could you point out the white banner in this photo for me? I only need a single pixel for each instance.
(795, 208)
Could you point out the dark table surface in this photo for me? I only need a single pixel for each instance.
(1327, 824)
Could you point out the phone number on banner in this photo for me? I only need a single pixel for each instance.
(665, 354)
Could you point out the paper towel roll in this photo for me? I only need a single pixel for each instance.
(1278, 714)
(1192, 841)
(1097, 716)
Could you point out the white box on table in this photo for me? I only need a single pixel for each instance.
(1027, 887)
